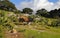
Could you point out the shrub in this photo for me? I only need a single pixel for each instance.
(55, 24)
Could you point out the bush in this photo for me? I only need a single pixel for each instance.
(55, 23)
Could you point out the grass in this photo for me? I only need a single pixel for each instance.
(31, 34)
(49, 32)
(36, 34)
(2, 32)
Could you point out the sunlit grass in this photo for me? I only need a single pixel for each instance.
(36, 34)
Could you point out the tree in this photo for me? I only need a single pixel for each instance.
(51, 14)
(59, 12)
(42, 12)
(27, 10)
(54, 13)
(7, 5)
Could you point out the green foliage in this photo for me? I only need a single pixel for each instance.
(51, 14)
(47, 21)
(27, 10)
(7, 19)
(55, 23)
(7, 5)
(42, 12)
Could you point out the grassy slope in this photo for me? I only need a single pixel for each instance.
(36, 33)
(3, 18)
(39, 31)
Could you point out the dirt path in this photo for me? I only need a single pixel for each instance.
(14, 35)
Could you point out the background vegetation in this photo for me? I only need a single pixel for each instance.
(43, 24)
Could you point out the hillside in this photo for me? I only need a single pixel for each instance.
(41, 27)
